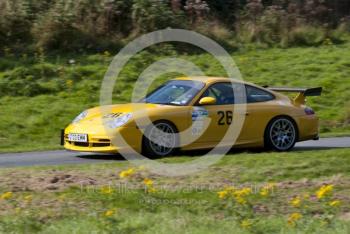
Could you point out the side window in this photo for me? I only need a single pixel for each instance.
(210, 93)
(222, 92)
(257, 95)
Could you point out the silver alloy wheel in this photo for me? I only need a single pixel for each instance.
(162, 138)
(282, 134)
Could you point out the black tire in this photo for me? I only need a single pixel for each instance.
(158, 145)
(281, 134)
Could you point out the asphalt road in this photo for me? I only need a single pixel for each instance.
(61, 157)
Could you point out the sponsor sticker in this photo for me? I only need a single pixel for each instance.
(112, 115)
(199, 115)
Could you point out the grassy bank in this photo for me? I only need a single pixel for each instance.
(94, 198)
(40, 94)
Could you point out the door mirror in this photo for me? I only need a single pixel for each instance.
(206, 101)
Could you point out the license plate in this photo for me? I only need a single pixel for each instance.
(76, 137)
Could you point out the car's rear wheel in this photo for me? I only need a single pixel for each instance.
(281, 134)
(160, 139)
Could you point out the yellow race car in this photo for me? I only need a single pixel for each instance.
(272, 120)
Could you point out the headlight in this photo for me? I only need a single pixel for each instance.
(80, 117)
(118, 121)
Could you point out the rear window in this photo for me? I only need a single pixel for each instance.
(258, 95)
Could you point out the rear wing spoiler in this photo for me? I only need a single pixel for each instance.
(303, 93)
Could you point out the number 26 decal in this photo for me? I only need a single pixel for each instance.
(225, 118)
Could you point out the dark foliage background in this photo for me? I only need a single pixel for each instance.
(76, 25)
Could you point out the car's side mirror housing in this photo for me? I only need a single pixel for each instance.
(206, 101)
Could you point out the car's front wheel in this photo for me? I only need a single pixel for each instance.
(281, 134)
(160, 139)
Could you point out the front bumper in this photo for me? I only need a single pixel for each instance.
(100, 143)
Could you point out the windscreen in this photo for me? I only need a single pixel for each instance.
(175, 92)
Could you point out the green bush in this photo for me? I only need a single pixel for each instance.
(150, 15)
(55, 29)
(98, 25)
(82, 25)
(306, 35)
(23, 81)
(14, 23)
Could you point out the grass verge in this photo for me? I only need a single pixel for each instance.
(93, 198)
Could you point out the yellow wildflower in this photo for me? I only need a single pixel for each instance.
(230, 189)
(240, 195)
(6, 195)
(148, 182)
(240, 200)
(293, 218)
(223, 194)
(264, 192)
(246, 191)
(123, 174)
(296, 202)
(130, 171)
(109, 213)
(28, 198)
(335, 203)
(246, 224)
(243, 192)
(127, 173)
(324, 191)
(106, 190)
(151, 190)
